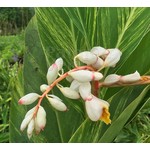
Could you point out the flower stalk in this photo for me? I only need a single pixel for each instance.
(85, 83)
(50, 87)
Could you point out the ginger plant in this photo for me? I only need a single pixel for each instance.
(85, 83)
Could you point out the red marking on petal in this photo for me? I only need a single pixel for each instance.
(37, 132)
(42, 128)
(107, 51)
(20, 102)
(96, 88)
(88, 98)
(54, 65)
(93, 76)
(95, 61)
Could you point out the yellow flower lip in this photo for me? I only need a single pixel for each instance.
(105, 117)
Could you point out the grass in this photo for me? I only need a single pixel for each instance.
(11, 52)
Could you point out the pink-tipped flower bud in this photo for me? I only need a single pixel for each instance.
(28, 99)
(30, 128)
(85, 75)
(87, 57)
(75, 85)
(85, 90)
(98, 64)
(37, 128)
(41, 118)
(112, 58)
(25, 122)
(131, 78)
(52, 73)
(59, 63)
(57, 103)
(111, 79)
(68, 92)
(43, 87)
(99, 51)
(30, 112)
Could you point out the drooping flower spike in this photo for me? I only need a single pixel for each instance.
(30, 121)
(85, 83)
(97, 109)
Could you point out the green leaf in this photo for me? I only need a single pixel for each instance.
(122, 119)
(34, 74)
(64, 32)
(99, 132)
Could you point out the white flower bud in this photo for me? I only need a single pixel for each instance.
(97, 76)
(31, 111)
(52, 73)
(68, 92)
(98, 64)
(37, 128)
(85, 90)
(112, 78)
(94, 108)
(30, 128)
(57, 103)
(69, 78)
(99, 51)
(87, 57)
(41, 118)
(113, 57)
(43, 87)
(28, 99)
(75, 85)
(59, 63)
(131, 78)
(85, 75)
(25, 122)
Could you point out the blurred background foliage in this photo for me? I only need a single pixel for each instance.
(13, 22)
(14, 19)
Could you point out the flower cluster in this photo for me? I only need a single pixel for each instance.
(83, 81)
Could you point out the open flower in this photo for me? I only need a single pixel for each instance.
(97, 109)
